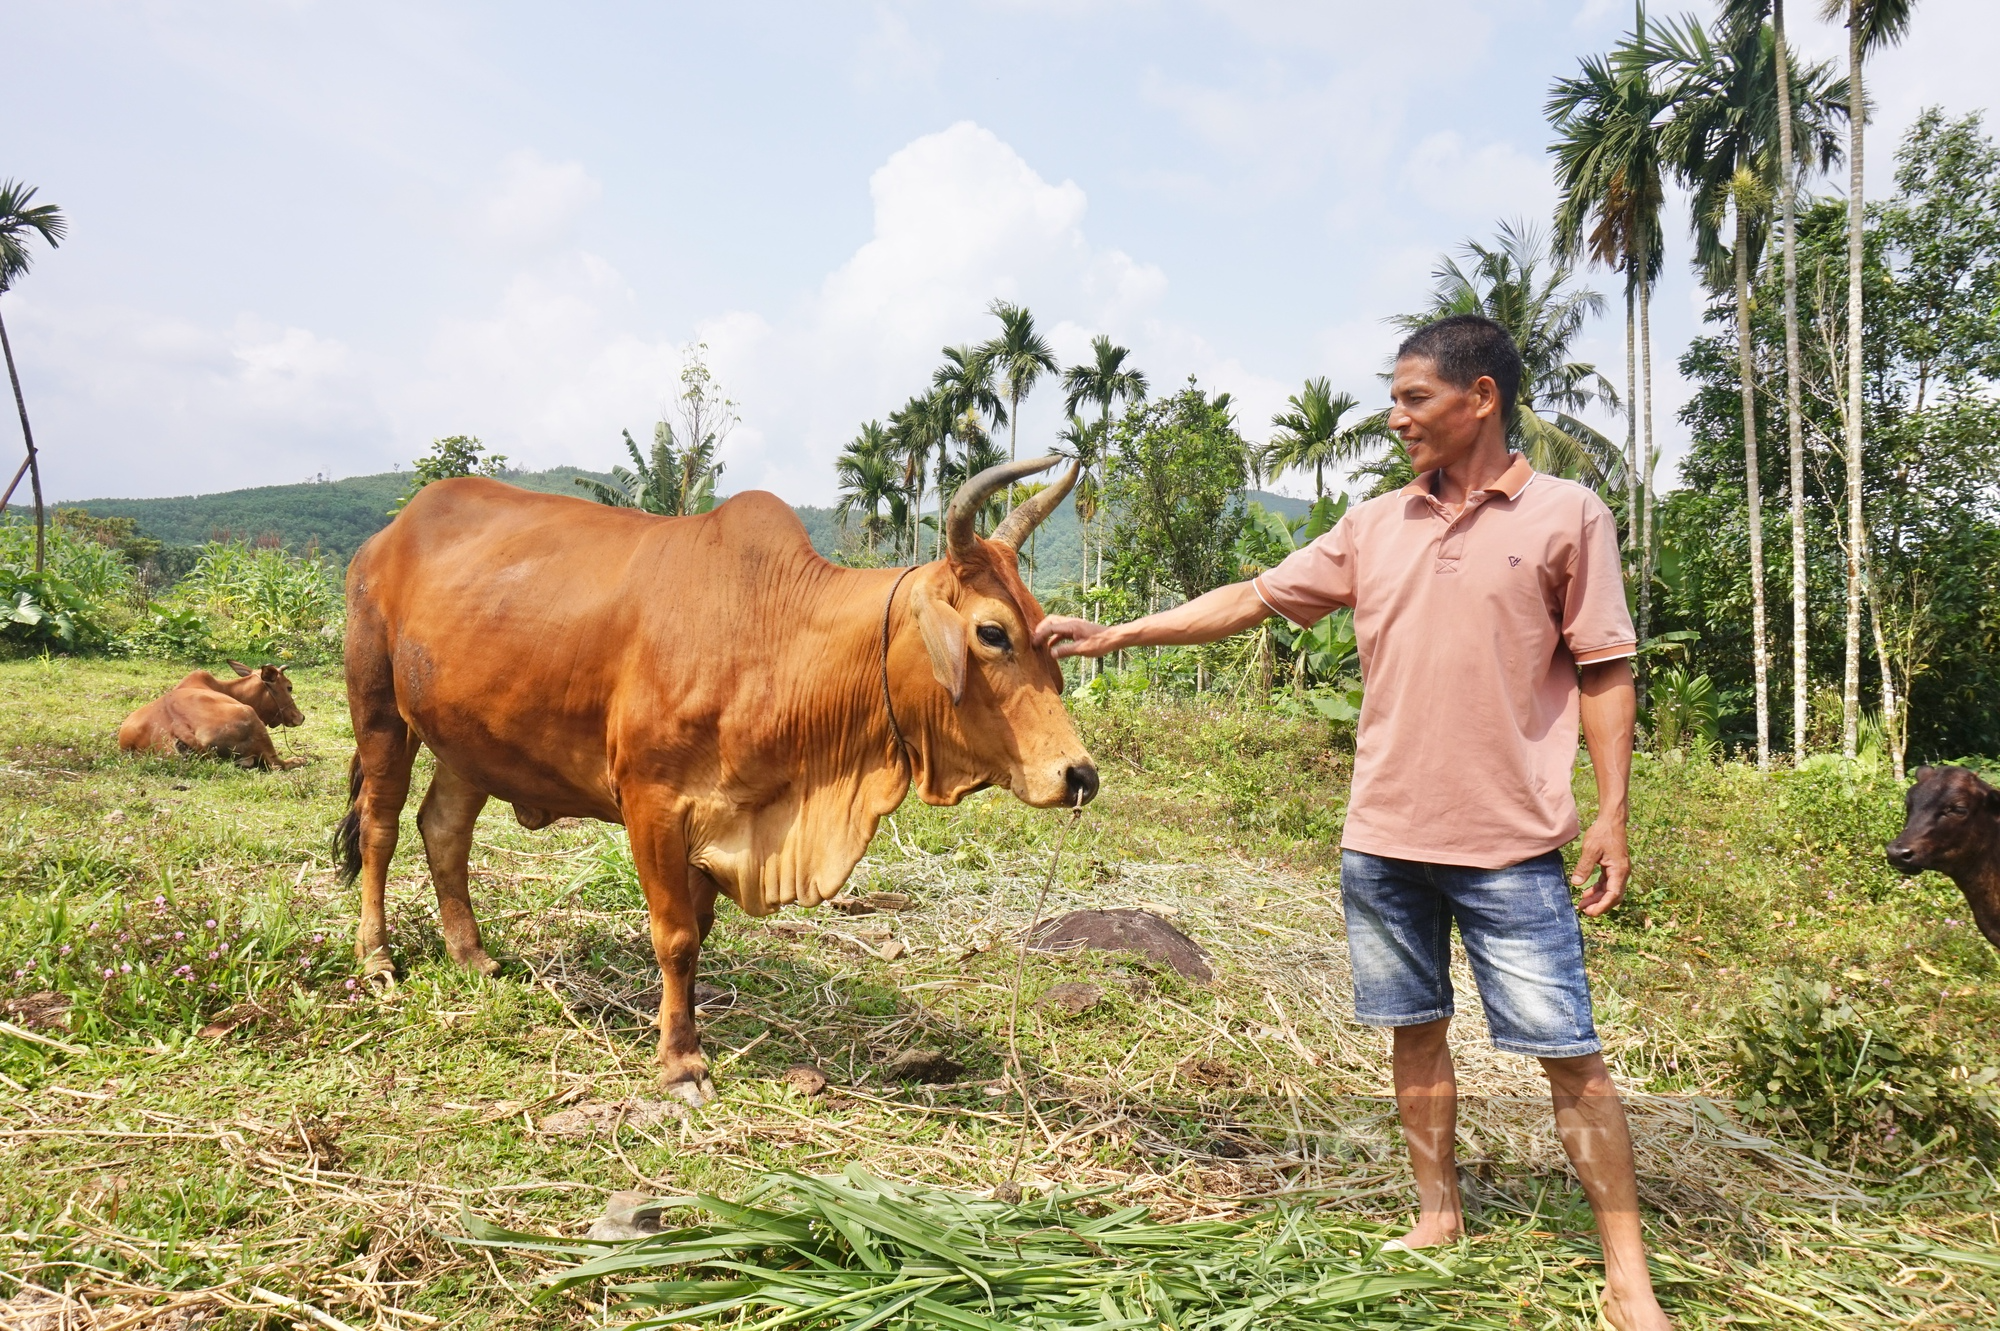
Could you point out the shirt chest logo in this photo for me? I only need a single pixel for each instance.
(1513, 561)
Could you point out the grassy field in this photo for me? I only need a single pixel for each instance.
(210, 1119)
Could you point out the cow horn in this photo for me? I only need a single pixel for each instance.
(972, 496)
(1030, 515)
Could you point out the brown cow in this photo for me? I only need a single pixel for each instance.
(748, 710)
(1952, 825)
(228, 718)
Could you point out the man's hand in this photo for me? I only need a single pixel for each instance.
(1603, 848)
(1210, 617)
(1073, 637)
(1608, 704)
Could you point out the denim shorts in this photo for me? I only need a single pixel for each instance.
(1520, 931)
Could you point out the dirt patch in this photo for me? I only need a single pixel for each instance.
(1075, 999)
(606, 1117)
(1124, 930)
(926, 1065)
(45, 1010)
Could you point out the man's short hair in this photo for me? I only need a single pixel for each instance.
(1466, 346)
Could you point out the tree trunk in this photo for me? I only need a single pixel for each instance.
(1850, 698)
(1013, 437)
(1794, 414)
(1895, 726)
(1631, 419)
(34, 461)
(1648, 459)
(1746, 370)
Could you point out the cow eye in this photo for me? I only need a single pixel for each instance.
(993, 636)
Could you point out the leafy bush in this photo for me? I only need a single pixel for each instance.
(1857, 1083)
(257, 601)
(172, 632)
(1684, 711)
(77, 601)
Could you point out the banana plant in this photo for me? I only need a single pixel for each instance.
(1323, 656)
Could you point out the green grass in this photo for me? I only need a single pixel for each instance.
(323, 1148)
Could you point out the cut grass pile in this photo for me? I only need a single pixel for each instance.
(854, 1252)
(319, 1144)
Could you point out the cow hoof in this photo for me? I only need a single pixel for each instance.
(378, 970)
(477, 960)
(696, 1093)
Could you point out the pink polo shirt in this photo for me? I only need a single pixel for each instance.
(1470, 631)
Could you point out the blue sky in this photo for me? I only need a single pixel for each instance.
(308, 238)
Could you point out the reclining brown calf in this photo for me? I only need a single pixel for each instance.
(228, 718)
(1953, 826)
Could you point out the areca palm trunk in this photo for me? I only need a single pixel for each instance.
(1794, 414)
(1631, 415)
(34, 461)
(1746, 371)
(1850, 698)
(1013, 436)
(1646, 475)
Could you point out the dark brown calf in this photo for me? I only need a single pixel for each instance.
(229, 718)
(1952, 825)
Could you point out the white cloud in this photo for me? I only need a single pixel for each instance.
(960, 219)
(127, 402)
(893, 54)
(1494, 180)
(537, 203)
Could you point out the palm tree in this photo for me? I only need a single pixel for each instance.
(1308, 435)
(962, 391)
(916, 429)
(19, 215)
(1723, 143)
(980, 452)
(1105, 381)
(1738, 15)
(1088, 442)
(1019, 356)
(1608, 164)
(1544, 313)
(1871, 25)
(870, 475)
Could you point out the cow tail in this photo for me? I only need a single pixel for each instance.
(347, 833)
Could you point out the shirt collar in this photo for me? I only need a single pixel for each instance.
(1509, 485)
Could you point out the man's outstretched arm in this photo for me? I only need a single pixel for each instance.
(1609, 707)
(1210, 617)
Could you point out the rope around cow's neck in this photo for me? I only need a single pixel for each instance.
(1029, 1114)
(888, 705)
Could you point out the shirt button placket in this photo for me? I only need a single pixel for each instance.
(1452, 546)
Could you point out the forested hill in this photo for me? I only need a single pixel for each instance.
(338, 516)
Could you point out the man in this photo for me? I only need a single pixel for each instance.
(1481, 593)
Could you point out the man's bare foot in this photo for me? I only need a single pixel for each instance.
(1635, 1311)
(1433, 1230)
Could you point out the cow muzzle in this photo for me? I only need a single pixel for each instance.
(1903, 859)
(1079, 785)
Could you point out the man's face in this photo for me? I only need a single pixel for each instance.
(1438, 422)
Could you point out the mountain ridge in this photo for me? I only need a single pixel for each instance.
(337, 516)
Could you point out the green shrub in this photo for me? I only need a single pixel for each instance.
(80, 598)
(1684, 711)
(1858, 1083)
(263, 602)
(170, 631)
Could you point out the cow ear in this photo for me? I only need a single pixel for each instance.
(270, 673)
(944, 638)
(240, 668)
